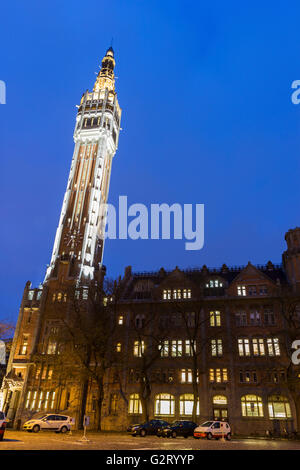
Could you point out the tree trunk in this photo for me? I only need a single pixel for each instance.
(84, 395)
(297, 406)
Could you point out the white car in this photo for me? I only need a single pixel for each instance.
(213, 430)
(50, 422)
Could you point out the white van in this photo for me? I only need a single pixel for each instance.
(213, 430)
(49, 422)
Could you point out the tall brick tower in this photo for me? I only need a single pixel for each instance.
(76, 257)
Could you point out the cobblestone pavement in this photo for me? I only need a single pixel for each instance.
(20, 440)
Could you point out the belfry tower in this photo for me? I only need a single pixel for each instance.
(77, 253)
(79, 241)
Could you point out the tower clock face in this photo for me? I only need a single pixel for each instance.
(73, 238)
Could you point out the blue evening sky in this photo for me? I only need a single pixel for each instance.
(205, 89)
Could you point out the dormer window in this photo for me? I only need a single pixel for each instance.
(214, 283)
(176, 294)
(241, 290)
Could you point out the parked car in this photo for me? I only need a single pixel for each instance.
(2, 425)
(131, 426)
(178, 428)
(49, 422)
(149, 428)
(213, 430)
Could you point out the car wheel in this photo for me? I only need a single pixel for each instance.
(209, 436)
(228, 437)
(64, 429)
(36, 428)
(185, 436)
(1, 437)
(173, 434)
(143, 433)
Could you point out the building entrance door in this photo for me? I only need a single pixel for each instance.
(221, 414)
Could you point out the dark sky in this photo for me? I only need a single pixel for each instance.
(205, 89)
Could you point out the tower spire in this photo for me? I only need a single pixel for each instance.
(106, 77)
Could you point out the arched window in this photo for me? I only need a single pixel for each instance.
(186, 403)
(279, 407)
(252, 406)
(164, 404)
(219, 400)
(134, 405)
(140, 321)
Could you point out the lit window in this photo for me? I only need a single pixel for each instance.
(214, 283)
(33, 400)
(30, 294)
(241, 290)
(279, 407)
(85, 294)
(118, 347)
(52, 400)
(46, 401)
(65, 297)
(164, 349)
(138, 348)
(167, 294)
(52, 345)
(59, 297)
(164, 404)
(24, 345)
(176, 348)
(53, 297)
(186, 376)
(27, 400)
(190, 346)
(134, 405)
(186, 405)
(215, 318)
(187, 293)
(40, 401)
(218, 375)
(220, 400)
(273, 347)
(243, 345)
(216, 347)
(176, 293)
(252, 406)
(258, 346)
(120, 320)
